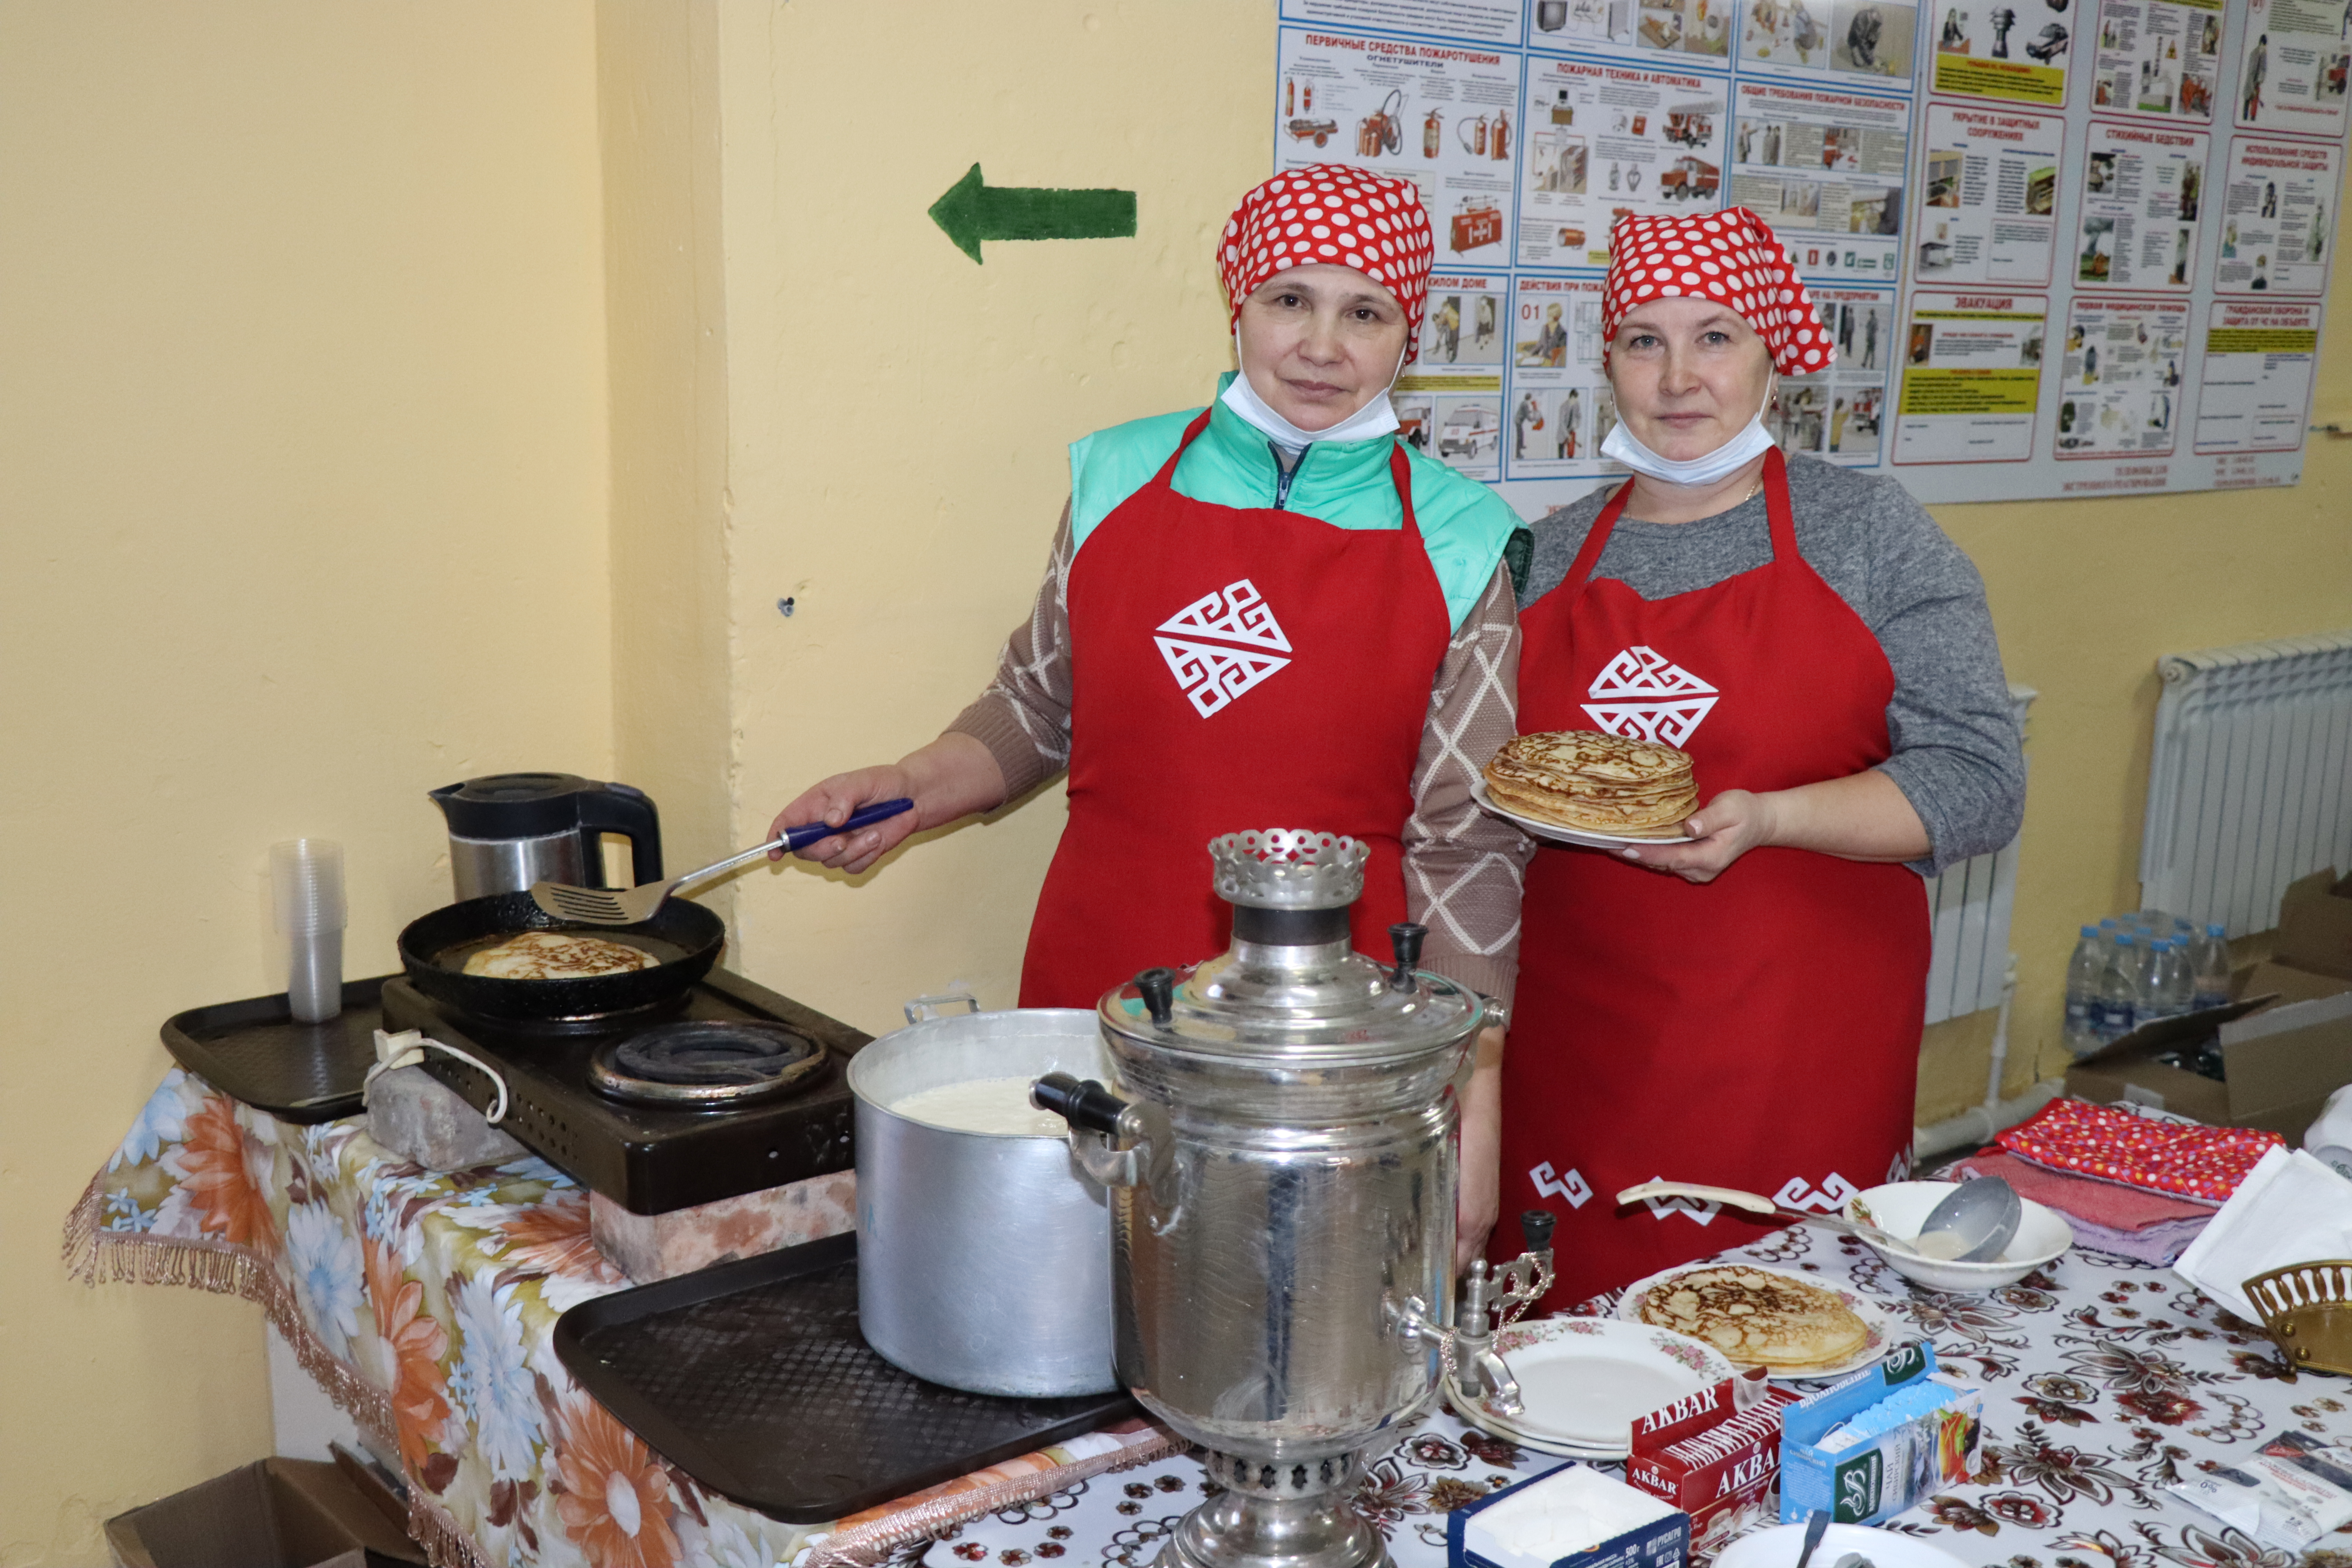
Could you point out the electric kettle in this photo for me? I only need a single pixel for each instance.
(509, 830)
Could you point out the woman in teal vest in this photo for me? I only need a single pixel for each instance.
(1264, 613)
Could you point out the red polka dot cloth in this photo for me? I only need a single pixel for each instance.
(1728, 257)
(1329, 213)
(2187, 1159)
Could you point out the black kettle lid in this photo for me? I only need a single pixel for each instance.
(514, 805)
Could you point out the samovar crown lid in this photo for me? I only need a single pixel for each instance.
(1289, 869)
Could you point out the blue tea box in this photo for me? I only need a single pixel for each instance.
(1569, 1517)
(1866, 1449)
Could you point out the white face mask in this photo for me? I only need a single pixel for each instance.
(1751, 443)
(1376, 417)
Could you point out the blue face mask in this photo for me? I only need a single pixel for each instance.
(1751, 443)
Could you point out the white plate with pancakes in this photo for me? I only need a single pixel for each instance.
(1798, 1327)
(1558, 833)
(1584, 1382)
(1588, 787)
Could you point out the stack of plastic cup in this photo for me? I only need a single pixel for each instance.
(307, 876)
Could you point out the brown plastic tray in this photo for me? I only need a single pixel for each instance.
(254, 1051)
(753, 1378)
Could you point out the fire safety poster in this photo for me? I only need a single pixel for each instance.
(2063, 246)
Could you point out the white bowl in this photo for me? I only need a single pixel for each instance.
(1780, 1546)
(1900, 1208)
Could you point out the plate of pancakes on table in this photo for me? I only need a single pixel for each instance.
(1589, 787)
(1795, 1326)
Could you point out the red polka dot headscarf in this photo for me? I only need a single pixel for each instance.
(1728, 257)
(1331, 213)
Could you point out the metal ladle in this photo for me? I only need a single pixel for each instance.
(1975, 1220)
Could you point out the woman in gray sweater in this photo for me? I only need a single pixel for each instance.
(1739, 1006)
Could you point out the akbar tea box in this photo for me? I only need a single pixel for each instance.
(1715, 1454)
(1873, 1445)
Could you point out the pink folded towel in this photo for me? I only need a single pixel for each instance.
(2105, 1217)
(2107, 1205)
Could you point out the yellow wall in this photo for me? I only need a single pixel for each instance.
(302, 479)
(2086, 596)
(666, 313)
(899, 417)
(313, 312)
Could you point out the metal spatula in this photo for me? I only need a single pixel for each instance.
(626, 907)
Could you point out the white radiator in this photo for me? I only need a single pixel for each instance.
(1970, 905)
(2247, 783)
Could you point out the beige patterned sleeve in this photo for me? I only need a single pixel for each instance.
(1463, 869)
(1023, 717)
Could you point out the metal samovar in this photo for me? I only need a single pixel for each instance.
(1280, 1148)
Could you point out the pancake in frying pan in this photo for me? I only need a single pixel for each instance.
(557, 955)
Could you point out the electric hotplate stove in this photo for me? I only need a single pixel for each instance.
(730, 1091)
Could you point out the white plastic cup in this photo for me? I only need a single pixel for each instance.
(306, 880)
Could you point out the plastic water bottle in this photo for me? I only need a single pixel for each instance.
(2118, 989)
(2148, 1003)
(2082, 993)
(2172, 986)
(2209, 963)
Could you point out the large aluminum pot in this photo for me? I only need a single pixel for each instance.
(983, 1259)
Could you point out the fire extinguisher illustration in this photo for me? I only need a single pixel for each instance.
(1383, 129)
(1500, 142)
(1473, 135)
(1430, 128)
(1289, 96)
(1308, 104)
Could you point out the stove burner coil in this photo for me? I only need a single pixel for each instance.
(708, 1064)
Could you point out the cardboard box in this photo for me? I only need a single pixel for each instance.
(1875, 1476)
(2316, 925)
(2286, 1042)
(273, 1513)
(1659, 1541)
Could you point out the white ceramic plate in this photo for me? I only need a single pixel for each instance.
(1478, 1416)
(1554, 831)
(1778, 1547)
(1585, 1381)
(1882, 1331)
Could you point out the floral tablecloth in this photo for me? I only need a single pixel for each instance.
(2104, 1379)
(424, 1304)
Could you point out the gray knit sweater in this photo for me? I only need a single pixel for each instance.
(1957, 757)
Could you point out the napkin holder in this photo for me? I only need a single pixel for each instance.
(2307, 1308)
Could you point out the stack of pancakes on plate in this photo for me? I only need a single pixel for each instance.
(1757, 1317)
(1595, 782)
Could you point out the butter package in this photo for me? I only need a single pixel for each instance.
(1881, 1440)
(1569, 1517)
(1715, 1454)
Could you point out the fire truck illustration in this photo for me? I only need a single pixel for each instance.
(1690, 179)
(1693, 124)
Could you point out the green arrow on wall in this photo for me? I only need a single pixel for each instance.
(973, 211)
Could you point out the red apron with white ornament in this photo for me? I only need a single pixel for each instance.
(1759, 1032)
(1231, 668)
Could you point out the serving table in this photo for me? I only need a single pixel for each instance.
(424, 1304)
